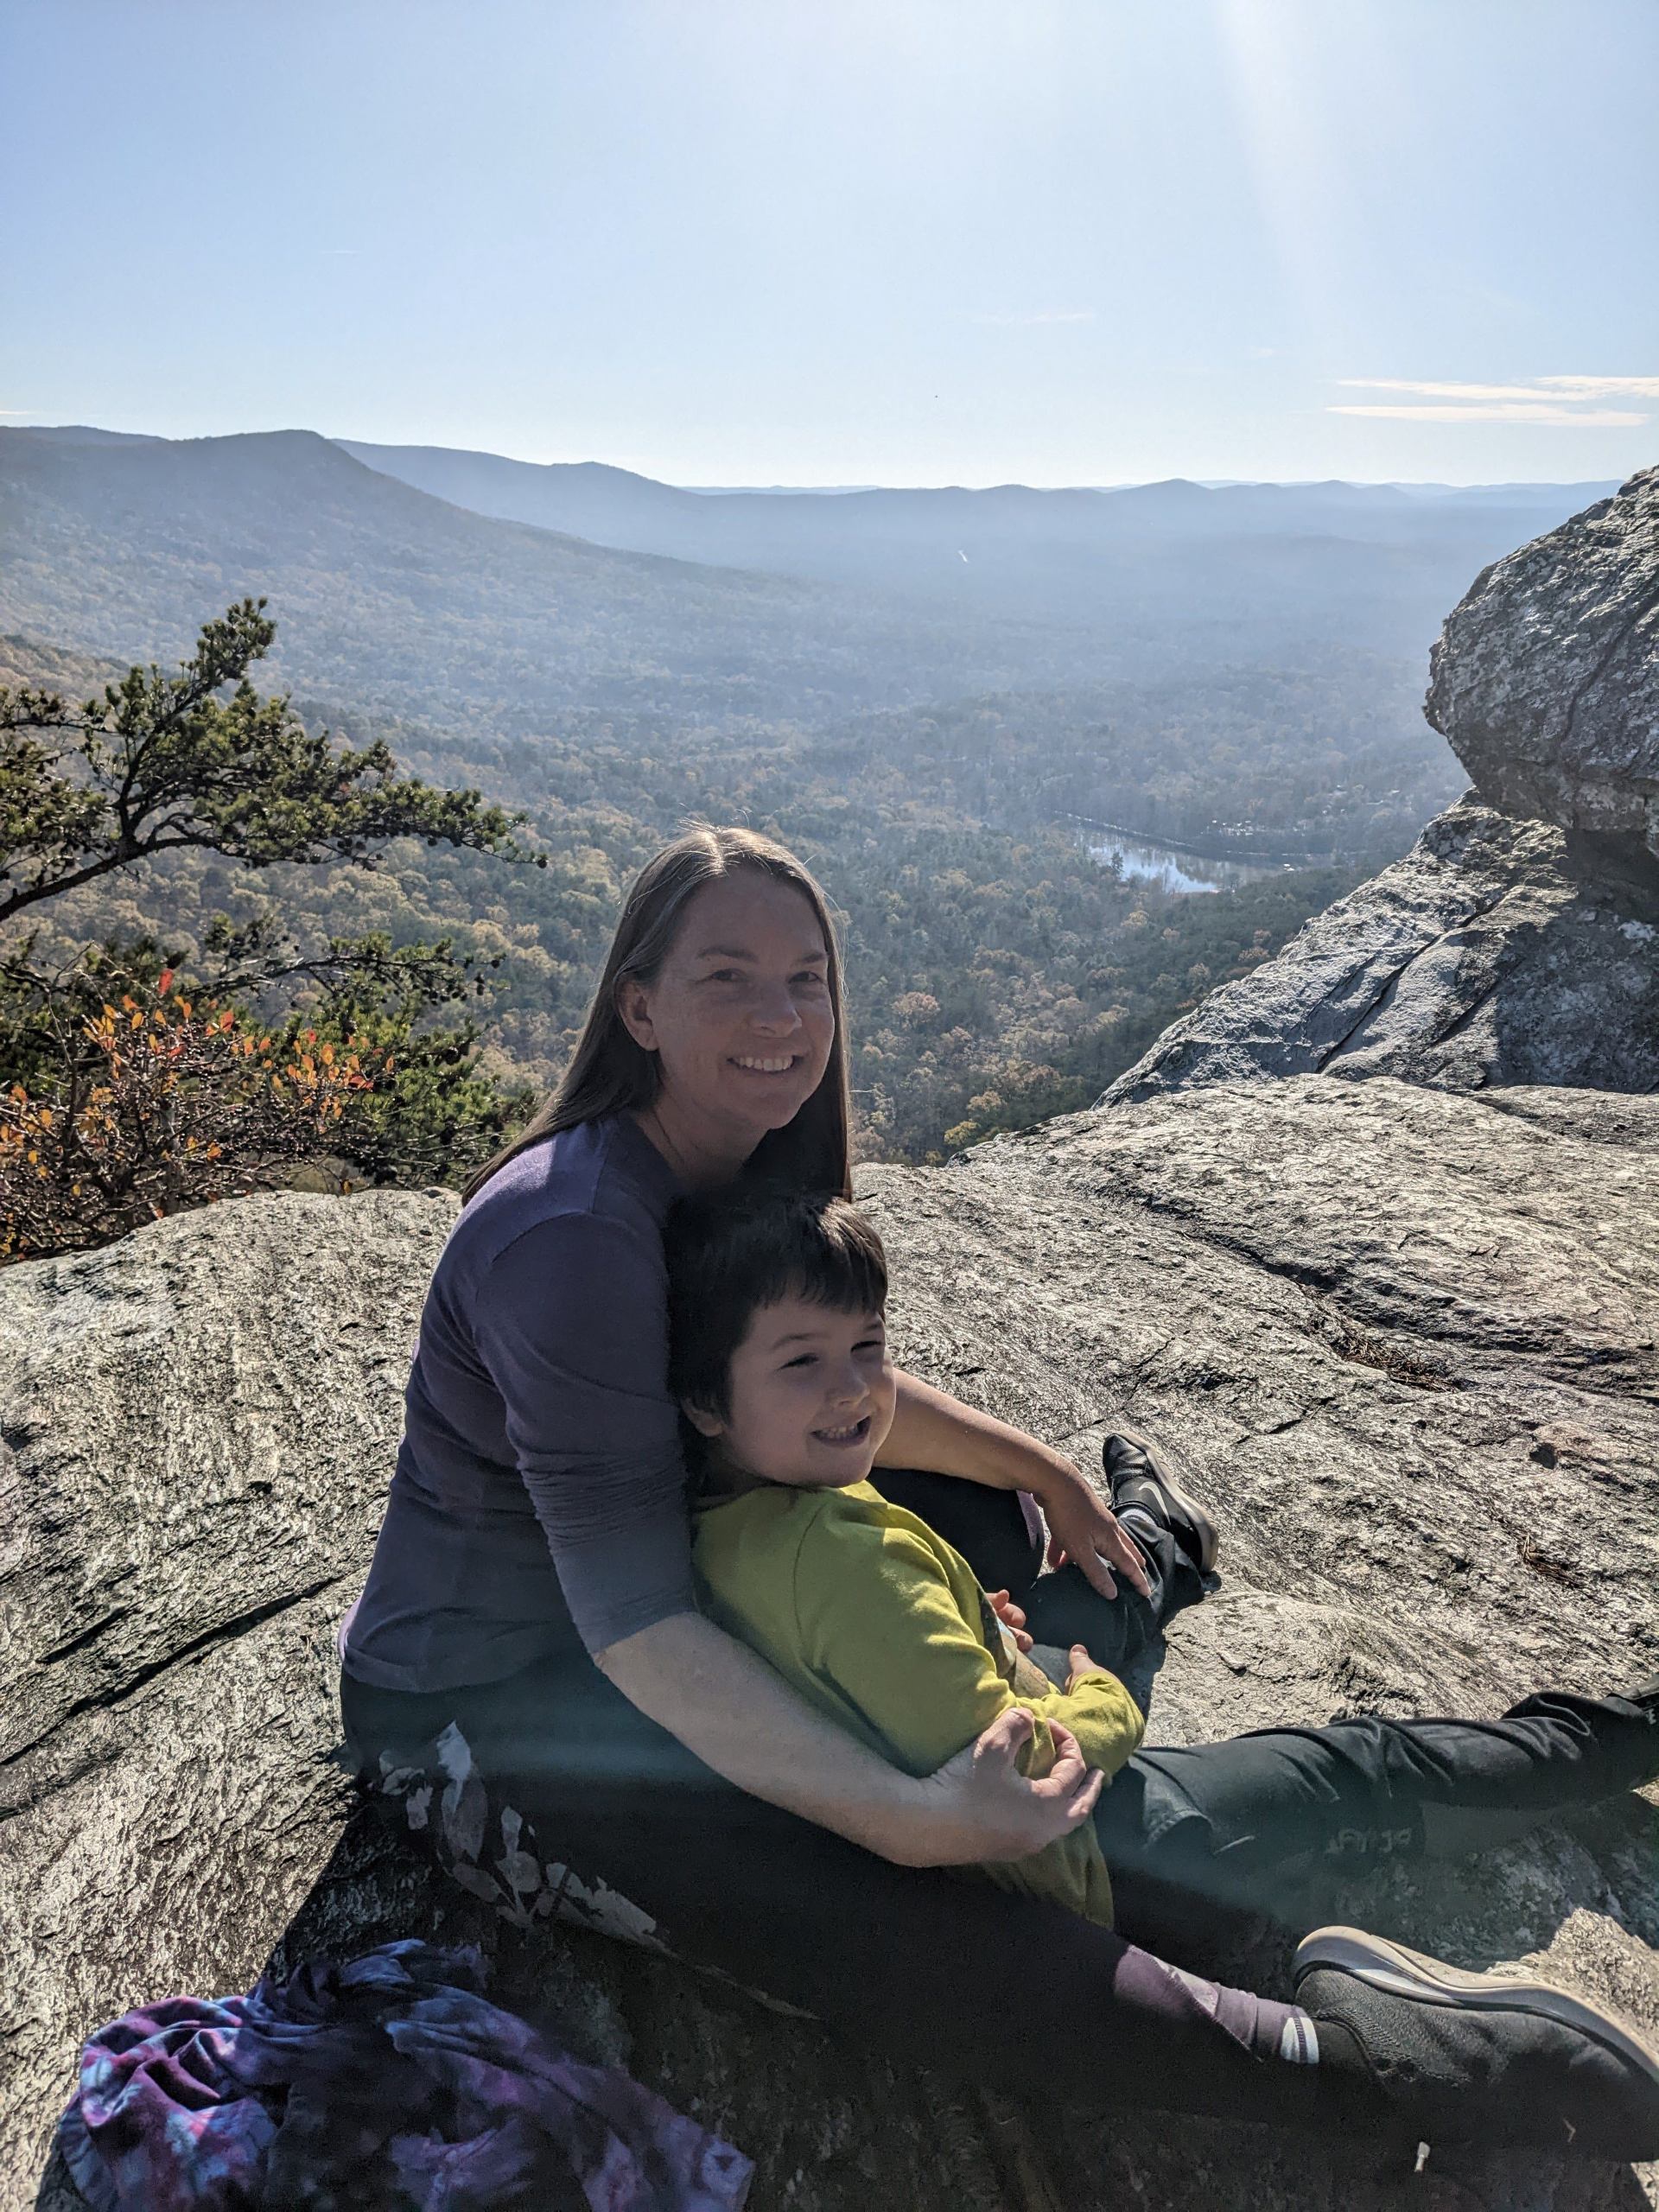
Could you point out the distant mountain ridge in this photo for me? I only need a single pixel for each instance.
(932, 752)
(935, 592)
(597, 500)
(1377, 564)
(391, 599)
(1166, 667)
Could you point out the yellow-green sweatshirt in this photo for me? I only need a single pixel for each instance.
(880, 1624)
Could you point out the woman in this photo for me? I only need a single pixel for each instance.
(528, 1670)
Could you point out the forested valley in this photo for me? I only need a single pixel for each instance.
(940, 769)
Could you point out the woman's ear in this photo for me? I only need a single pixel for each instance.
(633, 1004)
(701, 1419)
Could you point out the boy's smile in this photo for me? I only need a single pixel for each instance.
(855, 1434)
(812, 1396)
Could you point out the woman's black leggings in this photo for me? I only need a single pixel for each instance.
(550, 1793)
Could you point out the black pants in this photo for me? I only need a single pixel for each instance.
(989, 1528)
(1228, 1823)
(551, 1793)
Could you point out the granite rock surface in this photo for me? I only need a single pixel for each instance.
(1546, 678)
(1497, 951)
(1408, 1343)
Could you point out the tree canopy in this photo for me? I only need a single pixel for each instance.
(134, 1088)
(163, 762)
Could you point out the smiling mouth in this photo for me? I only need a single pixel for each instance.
(854, 1433)
(752, 1063)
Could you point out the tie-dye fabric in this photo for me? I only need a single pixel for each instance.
(389, 2085)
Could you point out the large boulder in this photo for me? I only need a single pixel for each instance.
(1498, 951)
(1518, 942)
(1546, 677)
(1407, 1341)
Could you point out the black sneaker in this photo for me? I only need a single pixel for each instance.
(1142, 1473)
(1481, 2057)
(1645, 1698)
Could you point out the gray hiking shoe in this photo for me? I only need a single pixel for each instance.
(1481, 2057)
(1143, 1473)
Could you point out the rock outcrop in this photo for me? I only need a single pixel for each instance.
(198, 1427)
(1546, 677)
(1518, 942)
(1409, 1344)
(1497, 951)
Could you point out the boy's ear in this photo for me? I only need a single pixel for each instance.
(705, 1423)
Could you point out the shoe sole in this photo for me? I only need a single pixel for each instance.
(1391, 1967)
(1203, 1527)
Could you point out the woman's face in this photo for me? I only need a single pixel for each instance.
(739, 1013)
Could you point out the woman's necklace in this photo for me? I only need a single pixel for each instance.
(670, 1150)
(691, 1172)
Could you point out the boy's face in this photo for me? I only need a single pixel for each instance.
(812, 1396)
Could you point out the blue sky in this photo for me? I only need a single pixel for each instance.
(848, 241)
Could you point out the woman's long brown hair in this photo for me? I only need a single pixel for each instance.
(609, 1073)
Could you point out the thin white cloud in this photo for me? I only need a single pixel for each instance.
(1603, 387)
(1443, 390)
(1560, 403)
(1507, 412)
(1043, 314)
(1561, 388)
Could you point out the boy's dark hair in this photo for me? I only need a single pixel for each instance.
(735, 1251)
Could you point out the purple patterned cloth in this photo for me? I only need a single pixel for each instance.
(388, 2083)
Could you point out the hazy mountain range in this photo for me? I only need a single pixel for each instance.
(1376, 563)
(932, 693)
(1171, 655)
(847, 600)
(389, 598)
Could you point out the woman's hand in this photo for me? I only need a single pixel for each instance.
(1012, 1617)
(728, 1705)
(931, 1429)
(1004, 1815)
(1083, 1529)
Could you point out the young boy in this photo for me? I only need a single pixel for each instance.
(779, 1362)
(778, 1358)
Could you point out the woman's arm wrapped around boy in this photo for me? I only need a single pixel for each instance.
(880, 1624)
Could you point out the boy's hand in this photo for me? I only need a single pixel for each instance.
(1009, 1816)
(1010, 1615)
(1081, 1664)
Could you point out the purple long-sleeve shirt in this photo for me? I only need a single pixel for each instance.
(540, 1481)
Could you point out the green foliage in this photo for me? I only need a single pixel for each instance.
(140, 1087)
(939, 830)
(138, 1080)
(1329, 759)
(1051, 975)
(163, 762)
(432, 1114)
(998, 981)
